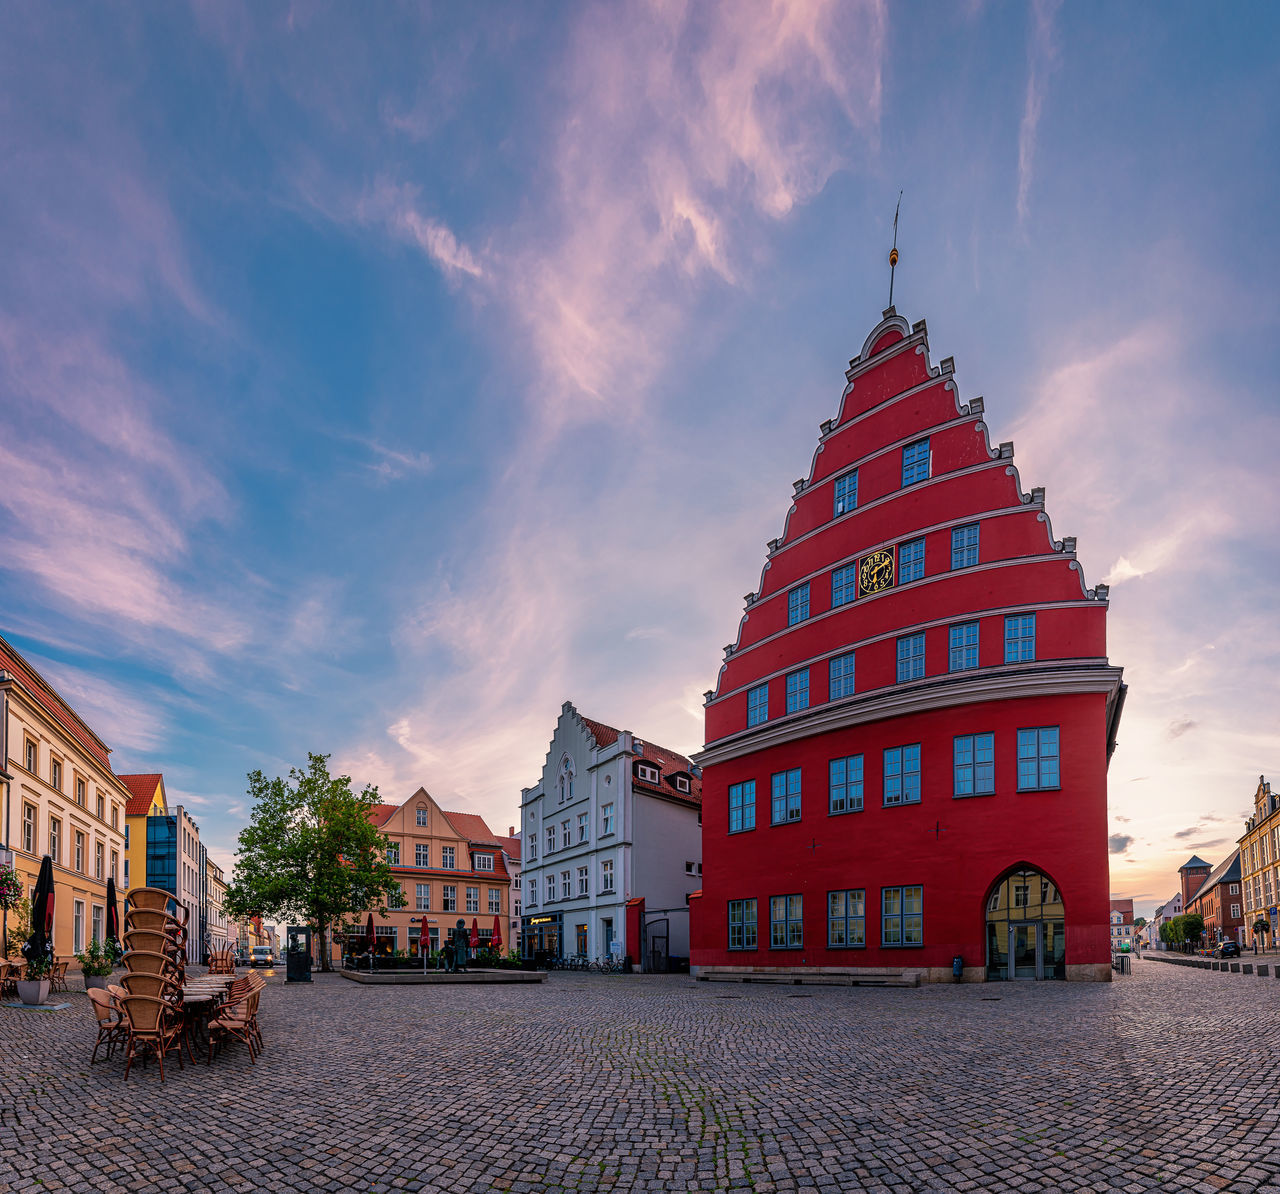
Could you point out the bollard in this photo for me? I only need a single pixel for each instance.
(1247, 968)
(1235, 967)
(1264, 970)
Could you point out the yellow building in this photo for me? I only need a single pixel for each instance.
(1260, 863)
(146, 799)
(61, 799)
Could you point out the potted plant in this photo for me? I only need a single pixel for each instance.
(10, 888)
(33, 987)
(96, 963)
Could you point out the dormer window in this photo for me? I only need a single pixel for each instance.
(682, 783)
(483, 862)
(647, 773)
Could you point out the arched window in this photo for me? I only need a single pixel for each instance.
(566, 779)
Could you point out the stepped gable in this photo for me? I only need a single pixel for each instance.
(896, 397)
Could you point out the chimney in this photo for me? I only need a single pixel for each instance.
(511, 831)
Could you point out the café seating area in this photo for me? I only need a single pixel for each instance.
(156, 1009)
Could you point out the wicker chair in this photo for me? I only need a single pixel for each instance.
(145, 961)
(154, 920)
(151, 898)
(237, 1020)
(10, 973)
(111, 1025)
(150, 939)
(58, 977)
(153, 1024)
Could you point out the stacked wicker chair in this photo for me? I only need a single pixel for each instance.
(237, 1019)
(150, 1003)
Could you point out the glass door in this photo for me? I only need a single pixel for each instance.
(1026, 959)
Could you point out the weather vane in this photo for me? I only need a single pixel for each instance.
(893, 253)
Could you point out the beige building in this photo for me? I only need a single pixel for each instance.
(450, 866)
(1260, 864)
(218, 926)
(60, 799)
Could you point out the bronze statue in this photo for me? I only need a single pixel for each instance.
(461, 945)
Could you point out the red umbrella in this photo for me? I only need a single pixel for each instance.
(475, 933)
(496, 939)
(370, 935)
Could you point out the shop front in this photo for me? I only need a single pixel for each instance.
(542, 937)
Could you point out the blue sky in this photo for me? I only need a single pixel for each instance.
(374, 380)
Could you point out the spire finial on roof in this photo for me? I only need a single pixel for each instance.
(893, 253)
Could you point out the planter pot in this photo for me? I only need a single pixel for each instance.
(33, 993)
(96, 980)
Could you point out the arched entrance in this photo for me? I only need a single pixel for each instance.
(1025, 927)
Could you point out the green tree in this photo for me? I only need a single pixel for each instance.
(310, 853)
(1139, 922)
(1190, 928)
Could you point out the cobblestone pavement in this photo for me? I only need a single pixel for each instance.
(1166, 1080)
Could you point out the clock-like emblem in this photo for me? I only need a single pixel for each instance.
(875, 572)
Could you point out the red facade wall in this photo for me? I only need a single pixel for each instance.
(957, 848)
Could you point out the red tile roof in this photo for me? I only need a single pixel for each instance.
(142, 791)
(44, 693)
(380, 814)
(512, 846)
(603, 734)
(667, 761)
(472, 827)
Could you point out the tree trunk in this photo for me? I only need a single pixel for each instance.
(325, 968)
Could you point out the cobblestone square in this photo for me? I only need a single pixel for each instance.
(1163, 1081)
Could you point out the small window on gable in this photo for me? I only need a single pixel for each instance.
(420, 815)
(647, 773)
(682, 783)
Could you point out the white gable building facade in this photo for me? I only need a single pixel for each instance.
(611, 832)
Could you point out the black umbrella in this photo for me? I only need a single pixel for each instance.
(113, 913)
(40, 943)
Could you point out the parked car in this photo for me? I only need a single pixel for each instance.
(262, 956)
(1227, 949)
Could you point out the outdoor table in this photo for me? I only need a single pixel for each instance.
(201, 998)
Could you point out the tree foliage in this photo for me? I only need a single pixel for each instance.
(310, 853)
(1139, 922)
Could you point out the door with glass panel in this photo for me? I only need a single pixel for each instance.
(1025, 928)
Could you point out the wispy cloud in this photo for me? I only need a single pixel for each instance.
(1042, 58)
(397, 207)
(687, 127)
(1118, 843)
(391, 464)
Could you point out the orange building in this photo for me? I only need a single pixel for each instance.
(450, 866)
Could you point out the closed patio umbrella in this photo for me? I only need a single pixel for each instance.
(496, 940)
(40, 942)
(369, 935)
(113, 913)
(475, 933)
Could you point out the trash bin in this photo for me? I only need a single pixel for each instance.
(297, 958)
(957, 967)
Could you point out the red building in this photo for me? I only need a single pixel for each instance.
(906, 752)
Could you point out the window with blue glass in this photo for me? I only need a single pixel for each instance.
(840, 676)
(902, 774)
(758, 705)
(846, 785)
(162, 853)
(915, 462)
(1019, 638)
(742, 806)
(786, 796)
(1038, 759)
(910, 657)
(798, 691)
(846, 498)
(975, 764)
(910, 560)
(798, 604)
(844, 585)
(964, 546)
(964, 647)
